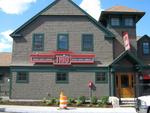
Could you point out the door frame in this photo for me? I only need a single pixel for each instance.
(127, 91)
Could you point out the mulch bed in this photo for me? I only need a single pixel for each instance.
(23, 103)
(40, 103)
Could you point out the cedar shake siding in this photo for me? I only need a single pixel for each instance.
(118, 42)
(61, 17)
(122, 13)
(51, 27)
(43, 83)
(145, 57)
(63, 7)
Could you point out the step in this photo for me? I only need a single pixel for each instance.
(128, 102)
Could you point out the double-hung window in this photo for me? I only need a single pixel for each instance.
(129, 22)
(61, 77)
(22, 77)
(101, 77)
(62, 42)
(146, 48)
(38, 42)
(87, 42)
(115, 21)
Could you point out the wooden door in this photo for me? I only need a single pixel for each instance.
(124, 85)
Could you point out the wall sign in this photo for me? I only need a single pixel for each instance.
(62, 58)
(126, 40)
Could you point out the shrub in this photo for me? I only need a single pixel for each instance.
(100, 104)
(1, 100)
(71, 101)
(78, 102)
(57, 102)
(104, 99)
(81, 99)
(94, 100)
(52, 101)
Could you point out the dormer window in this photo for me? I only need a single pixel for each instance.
(115, 21)
(129, 22)
(146, 48)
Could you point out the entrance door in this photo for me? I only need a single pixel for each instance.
(124, 85)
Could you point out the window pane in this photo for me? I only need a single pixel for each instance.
(146, 48)
(63, 42)
(22, 77)
(115, 21)
(128, 21)
(124, 81)
(62, 77)
(101, 77)
(38, 42)
(87, 43)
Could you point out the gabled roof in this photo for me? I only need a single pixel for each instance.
(130, 56)
(141, 37)
(5, 59)
(43, 12)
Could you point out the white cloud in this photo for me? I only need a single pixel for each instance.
(15, 6)
(6, 41)
(93, 7)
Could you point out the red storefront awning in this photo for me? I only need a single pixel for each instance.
(146, 77)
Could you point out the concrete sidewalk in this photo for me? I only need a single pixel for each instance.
(33, 109)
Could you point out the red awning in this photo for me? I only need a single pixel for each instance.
(146, 77)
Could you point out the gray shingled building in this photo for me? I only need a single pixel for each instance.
(64, 48)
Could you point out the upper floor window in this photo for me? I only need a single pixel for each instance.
(115, 21)
(38, 42)
(87, 42)
(129, 22)
(63, 42)
(101, 77)
(22, 77)
(62, 77)
(146, 48)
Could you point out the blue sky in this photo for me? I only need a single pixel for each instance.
(13, 15)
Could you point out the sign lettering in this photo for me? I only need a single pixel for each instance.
(62, 58)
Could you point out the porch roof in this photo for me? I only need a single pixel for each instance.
(129, 56)
(5, 59)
